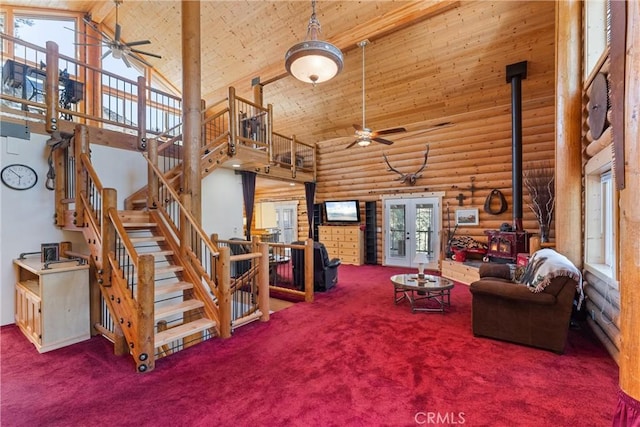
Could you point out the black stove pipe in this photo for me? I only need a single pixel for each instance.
(515, 74)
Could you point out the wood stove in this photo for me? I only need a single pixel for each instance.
(505, 245)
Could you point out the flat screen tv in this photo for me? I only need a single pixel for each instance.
(342, 211)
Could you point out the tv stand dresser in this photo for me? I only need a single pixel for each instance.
(343, 241)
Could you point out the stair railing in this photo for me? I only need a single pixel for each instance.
(199, 250)
(126, 280)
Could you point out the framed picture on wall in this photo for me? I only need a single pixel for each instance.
(466, 217)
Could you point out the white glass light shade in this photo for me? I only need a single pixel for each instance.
(364, 142)
(313, 61)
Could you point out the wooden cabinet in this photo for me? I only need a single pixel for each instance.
(344, 242)
(52, 305)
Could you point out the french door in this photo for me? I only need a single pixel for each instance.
(287, 222)
(412, 225)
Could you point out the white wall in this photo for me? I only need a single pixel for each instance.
(222, 204)
(26, 217)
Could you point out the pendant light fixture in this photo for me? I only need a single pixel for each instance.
(313, 61)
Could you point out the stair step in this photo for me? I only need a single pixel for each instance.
(139, 224)
(186, 329)
(169, 269)
(170, 310)
(157, 254)
(135, 240)
(173, 287)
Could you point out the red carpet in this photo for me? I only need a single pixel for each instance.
(352, 358)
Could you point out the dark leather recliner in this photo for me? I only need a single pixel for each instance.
(325, 271)
(510, 312)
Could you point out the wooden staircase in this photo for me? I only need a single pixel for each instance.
(179, 317)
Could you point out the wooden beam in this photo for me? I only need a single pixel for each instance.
(101, 10)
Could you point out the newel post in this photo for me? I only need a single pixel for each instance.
(142, 113)
(233, 122)
(308, 271)
(153, 184)
(52, 97)
(224, 288)
(263, 282)
(144, 353)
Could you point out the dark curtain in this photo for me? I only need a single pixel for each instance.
(248, 194)
(310, 194)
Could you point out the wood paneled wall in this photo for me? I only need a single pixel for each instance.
(477, 146)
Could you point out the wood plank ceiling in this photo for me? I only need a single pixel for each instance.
(422, 55)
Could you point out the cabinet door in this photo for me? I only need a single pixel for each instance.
(28, 309)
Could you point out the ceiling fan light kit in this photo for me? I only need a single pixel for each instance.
(313, 61)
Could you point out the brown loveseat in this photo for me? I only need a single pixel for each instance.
(509, 311)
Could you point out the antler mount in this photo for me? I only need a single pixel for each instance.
(408, 178)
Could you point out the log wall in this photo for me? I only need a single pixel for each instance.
(476, 147)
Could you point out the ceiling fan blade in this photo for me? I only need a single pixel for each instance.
(388, 131)
(357, 127)
(352, 144)
(107, 53)
(138, 43)
(383, 141)
(146, 53)
(126, 61)
(118, 32)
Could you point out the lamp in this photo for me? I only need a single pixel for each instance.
(421, 259)
(313, 61)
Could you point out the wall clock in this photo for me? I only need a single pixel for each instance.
(19, 177)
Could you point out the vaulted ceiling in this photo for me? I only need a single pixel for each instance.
(421, 54)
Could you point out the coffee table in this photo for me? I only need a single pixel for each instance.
(429, 289)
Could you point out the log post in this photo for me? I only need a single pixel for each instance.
(630, 214)
(191, 114)
(142, 113)
(233, 122)
(145, 349)
(224, 289)
(568, 170)
(263, 282)
(52, 96)
(308, 270)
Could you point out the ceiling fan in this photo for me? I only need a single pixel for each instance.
(116, 47)
(364, 135)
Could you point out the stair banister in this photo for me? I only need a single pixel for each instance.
(80, 147)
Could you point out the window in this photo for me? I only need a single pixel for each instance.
(601, 213)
